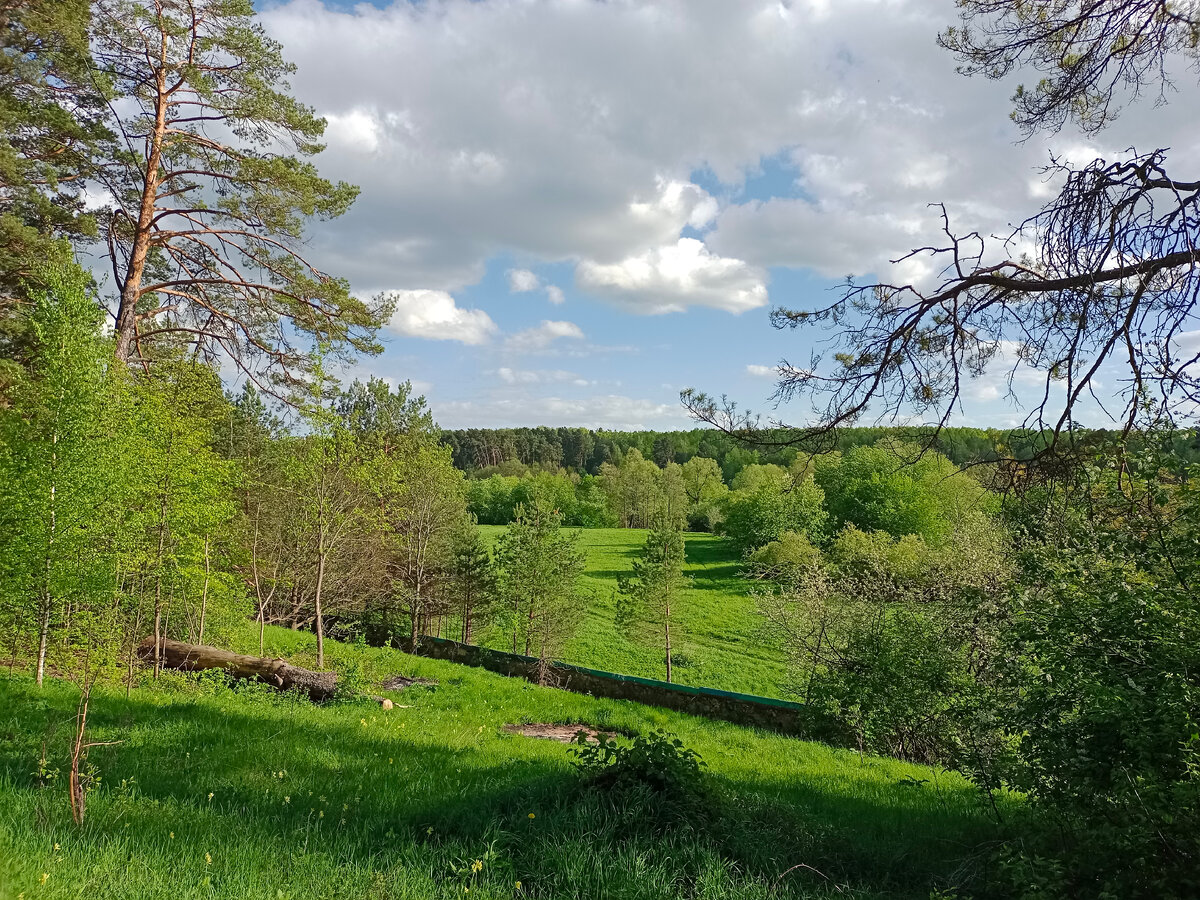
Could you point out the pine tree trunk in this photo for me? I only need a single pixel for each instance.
(126, 324)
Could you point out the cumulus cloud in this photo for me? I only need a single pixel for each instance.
(522, 280)
(542, 336)
(674, 277)
(555, 294)
(485, 128)
(435, 315)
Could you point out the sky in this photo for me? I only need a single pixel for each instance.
(582, 207)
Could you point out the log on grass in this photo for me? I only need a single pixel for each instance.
(276, 672)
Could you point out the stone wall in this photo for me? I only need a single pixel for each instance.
(742, 709)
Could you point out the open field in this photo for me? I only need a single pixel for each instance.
(217, 793)
(714, 624)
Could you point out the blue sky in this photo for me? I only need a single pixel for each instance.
(581, 208)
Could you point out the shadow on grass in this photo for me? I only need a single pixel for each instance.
(219, 767)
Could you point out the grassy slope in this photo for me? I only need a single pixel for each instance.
(411, 797)
(714, 622)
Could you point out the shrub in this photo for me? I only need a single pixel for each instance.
(656, 768)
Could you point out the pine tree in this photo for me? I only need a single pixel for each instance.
(645, 600)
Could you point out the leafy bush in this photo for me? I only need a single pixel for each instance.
(757, 517)
(656, 768)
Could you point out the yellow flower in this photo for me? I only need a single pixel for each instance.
(477, 865)
(321, 814)
(207, 859)
(210, 796)
(172, 835)
(532, 816)
(518, 885)
(57, 848)
(287, 799)
(45, 877)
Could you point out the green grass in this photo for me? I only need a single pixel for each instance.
(714, 622)
(220, 794)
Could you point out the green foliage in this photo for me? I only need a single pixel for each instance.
(60, 443)
(784, 559)
(1102, 683)
(646, 597)
(472, 579)
(657, 764)
(899, 489)
(50, 135)
(539, 566)
(756, 517)
(211, 255)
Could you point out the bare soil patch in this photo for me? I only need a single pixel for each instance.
(400, 682)
(564, 734)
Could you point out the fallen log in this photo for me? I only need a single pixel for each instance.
(276, 672)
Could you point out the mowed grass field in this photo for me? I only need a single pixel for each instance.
(216, 793)
(715, 626)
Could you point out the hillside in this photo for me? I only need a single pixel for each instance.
(214, 793)
(715, 623)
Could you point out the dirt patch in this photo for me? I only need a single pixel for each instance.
(564, 734)
(400, 682)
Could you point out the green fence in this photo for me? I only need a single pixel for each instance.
(743, 709)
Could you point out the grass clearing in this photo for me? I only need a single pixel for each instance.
(714, 624)
(246, 794)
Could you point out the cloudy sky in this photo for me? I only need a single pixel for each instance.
(582, 207)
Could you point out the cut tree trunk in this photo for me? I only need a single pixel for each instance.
(276, 672)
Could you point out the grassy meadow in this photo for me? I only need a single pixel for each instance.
(244, 793)
(714, 624)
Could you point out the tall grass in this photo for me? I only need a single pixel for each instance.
(242, 793)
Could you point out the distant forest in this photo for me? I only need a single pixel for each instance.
(515, 451)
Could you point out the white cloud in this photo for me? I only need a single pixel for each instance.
(673, 277)
(762, 371)
(542, 336)
(540, 376)
(555, 294)
(599, 411)
(522, 280)
(435, 315)
(489, 128)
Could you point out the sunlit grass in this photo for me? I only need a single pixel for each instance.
(216, 793)
(714, 623)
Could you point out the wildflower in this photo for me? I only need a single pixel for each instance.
(345, 806)
(429, 830)
(321, 814)
(532, 816)
(210, 796)
(287, 799)
(172, 835)
(477, 865)
(45, 877)
(208, 859)
(57, 848)
(518, 885)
